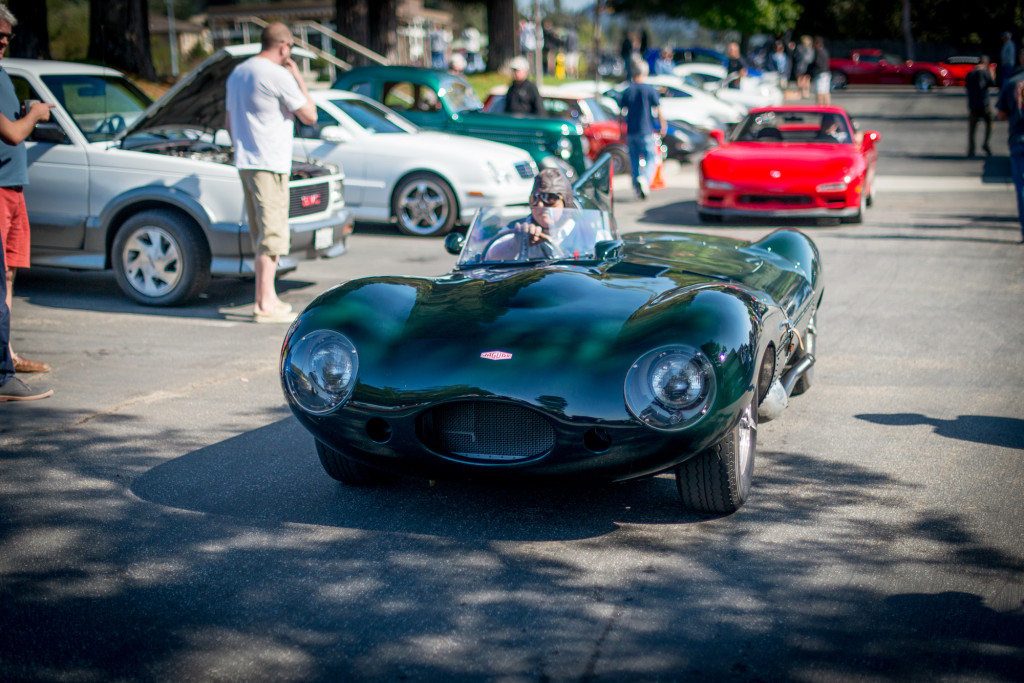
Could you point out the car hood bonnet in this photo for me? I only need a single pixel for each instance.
(755, 159)
(198, 100)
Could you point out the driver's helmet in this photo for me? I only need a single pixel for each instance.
(554, 180)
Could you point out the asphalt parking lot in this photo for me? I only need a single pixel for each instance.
(164, 518)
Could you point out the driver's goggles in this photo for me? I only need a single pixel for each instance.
(545, 198)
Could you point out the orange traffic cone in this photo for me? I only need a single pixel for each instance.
(658, 183)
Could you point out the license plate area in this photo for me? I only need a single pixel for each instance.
(323, 238)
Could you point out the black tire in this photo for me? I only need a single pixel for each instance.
(160, 258)
(924, 81)
(620, 159)
(424, 205)
(348, 471)
(839, 80)
(718, 480)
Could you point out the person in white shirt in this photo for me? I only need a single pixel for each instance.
(265, 94)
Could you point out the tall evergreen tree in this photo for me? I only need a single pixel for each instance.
(119, 36)
(32, 39)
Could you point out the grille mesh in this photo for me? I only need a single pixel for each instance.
(488, 431)
(525, 169)
(305, 200)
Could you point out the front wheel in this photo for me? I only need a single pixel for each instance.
(160, 258)
(718, 479)
(348, 471)
(424, 206)
(861, 209)
(924, 81)
(839, 80)
(620, 159)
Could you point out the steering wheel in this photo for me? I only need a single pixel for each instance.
(113, 125)
(550, 249)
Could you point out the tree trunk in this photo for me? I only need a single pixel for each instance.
(352, 18)
(119, 36)
(384, 28)
(33, 39)
(501, 32)
(908, 36)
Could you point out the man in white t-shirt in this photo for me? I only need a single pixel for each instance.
(265, 94)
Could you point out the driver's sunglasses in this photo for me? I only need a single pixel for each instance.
(545, 198)
(7, 36)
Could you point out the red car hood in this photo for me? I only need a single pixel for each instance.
(794, 161)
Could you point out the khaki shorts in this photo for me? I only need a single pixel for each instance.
(266, 205)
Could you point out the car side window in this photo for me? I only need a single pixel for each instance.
(24, 91)
(399, 96)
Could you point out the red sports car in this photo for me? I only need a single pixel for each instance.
(961, 65)
(790, 161)
(873, 67)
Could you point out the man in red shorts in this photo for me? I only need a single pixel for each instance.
(14, 229)
(13, 218)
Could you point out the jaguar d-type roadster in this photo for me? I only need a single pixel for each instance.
(603, 356)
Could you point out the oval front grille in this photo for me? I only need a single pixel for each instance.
(495, 432)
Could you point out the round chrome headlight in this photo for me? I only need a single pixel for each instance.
(670, 388)
(320, 371)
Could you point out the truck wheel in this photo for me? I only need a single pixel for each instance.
(160, 258)
(424, 205)
(718, 479)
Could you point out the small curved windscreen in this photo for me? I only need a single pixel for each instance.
(538, 234)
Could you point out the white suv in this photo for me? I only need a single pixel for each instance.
(116, 182)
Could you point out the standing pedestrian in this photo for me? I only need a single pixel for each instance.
(639, 104)
(1010, 108)
(471, 44)
(977, 82)
(438, 47)
(14, 228)
(735, 65)
(265, 94)
(14, 225)
(778, 62)
(522, 96)
(1007, 57)
(822, 74)
(804, 60)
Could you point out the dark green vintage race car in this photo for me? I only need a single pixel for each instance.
(607, 357)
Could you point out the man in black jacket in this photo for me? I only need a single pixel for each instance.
(522, 96)
(977, 82)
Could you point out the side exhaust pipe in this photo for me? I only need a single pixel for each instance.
(777, 398)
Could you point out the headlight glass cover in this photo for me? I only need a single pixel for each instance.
(320, 371)
(670, 388)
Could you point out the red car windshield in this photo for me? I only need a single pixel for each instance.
(793, 126)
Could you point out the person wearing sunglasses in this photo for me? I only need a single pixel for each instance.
(553, 229)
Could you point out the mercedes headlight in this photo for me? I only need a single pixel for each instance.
(670, 388)
(320, 371)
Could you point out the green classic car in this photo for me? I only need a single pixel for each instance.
(612, 358)
(438, 100)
